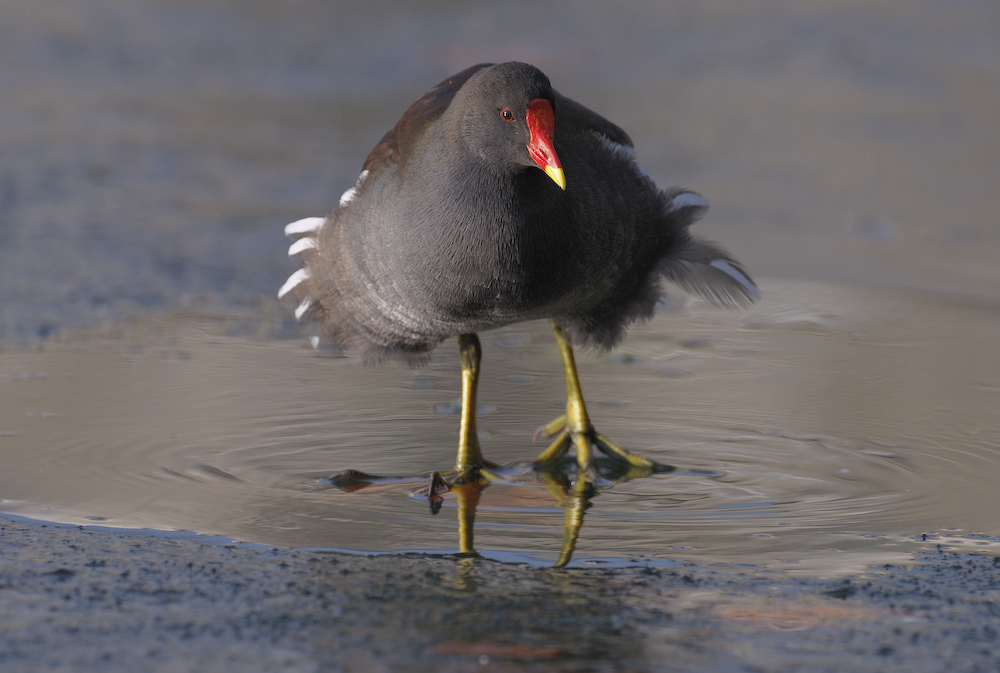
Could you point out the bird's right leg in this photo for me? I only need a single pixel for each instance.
(469, 461)
(470, 455)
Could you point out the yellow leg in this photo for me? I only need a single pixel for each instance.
(575, 427)
(470, 456)
(467, 485)
(576, 423)
(556, 449)
(467, 496)
(576, 504)
(577, 419)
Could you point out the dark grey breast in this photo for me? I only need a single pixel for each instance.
(452, 228)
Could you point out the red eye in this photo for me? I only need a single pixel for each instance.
(507, 115)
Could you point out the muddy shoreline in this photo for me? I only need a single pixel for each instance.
(81, 599)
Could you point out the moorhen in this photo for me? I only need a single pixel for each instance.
(496, 200)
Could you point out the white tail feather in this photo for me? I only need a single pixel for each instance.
(303, 307)
(687, 200)
(304, 226)
(348, 196)
(734, 273)
(301, 245)
(293, 282)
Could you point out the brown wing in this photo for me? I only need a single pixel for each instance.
(425, 110)
(575, 116)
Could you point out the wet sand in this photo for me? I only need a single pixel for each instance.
(150, 153)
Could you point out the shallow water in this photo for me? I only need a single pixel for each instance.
(817, 433)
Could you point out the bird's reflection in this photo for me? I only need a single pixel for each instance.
(573, 490)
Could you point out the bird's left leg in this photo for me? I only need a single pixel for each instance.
(574, 497)
(574, 428)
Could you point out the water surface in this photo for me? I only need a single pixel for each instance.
(819, 432)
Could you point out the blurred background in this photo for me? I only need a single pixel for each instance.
(152, 150)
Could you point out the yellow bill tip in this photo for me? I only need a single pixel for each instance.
(557, 175)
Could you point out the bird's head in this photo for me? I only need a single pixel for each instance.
(508, 119)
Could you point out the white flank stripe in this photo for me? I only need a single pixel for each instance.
(361, 178)
(304, 226)
(348, 196)
(728, 269)
(293, 282)
(314, 340)
(687, 200)
(301, 245)
(303, 307)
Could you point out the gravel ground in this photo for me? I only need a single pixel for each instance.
(82, 599)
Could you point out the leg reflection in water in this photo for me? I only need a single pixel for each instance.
(572, 487)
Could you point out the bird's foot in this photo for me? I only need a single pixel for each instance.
(585, 440)
(440, 484)
(437, 483)
(435, 488)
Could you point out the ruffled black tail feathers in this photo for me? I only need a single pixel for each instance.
(700, 267)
